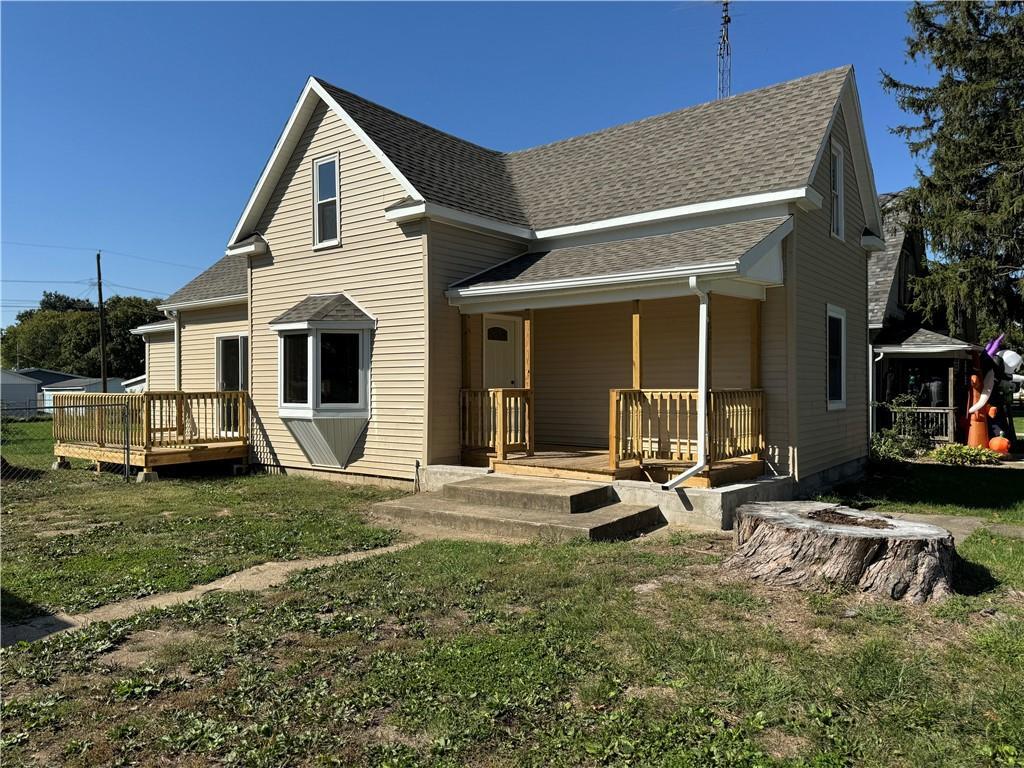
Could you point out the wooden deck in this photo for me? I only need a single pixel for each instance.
(151, 429)
(574, 463)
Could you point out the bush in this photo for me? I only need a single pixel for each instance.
(904, 439)
(963, 455)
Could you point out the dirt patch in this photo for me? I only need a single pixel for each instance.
(224, 512)
(782, 745)
(834, 517)
(141, 648)
(75, 530)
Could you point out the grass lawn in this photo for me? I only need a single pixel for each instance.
(457, 653)
(994, 493)
(73, 540)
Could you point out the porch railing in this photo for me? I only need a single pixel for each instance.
(647, 425)
(938, 423)
(155, 419)
(496, 420)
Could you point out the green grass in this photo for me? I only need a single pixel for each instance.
(993, 493)
(451, 654)
(74, 541)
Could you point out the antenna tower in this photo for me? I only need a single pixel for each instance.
(724, 55)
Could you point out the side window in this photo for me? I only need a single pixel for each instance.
(836, 357)
(838, 206)
(325, 201)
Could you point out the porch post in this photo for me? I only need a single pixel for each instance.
(466, 379)
(636, 344)
(704, 379)
(755, 346)
(528, 378)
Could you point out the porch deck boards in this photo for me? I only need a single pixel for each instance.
(154, 457)
(581, 463)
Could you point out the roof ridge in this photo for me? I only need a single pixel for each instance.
(692, 107)
(407, 117)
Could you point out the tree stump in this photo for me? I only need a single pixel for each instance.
(807, 543)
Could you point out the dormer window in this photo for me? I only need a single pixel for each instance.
(325, 196)
(837, 191)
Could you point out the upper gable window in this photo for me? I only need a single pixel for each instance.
(837, 191)
(325, 196)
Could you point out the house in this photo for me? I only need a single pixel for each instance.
(908, 357)
(17, 394)
(84, 384)
(135, 384)
(44, 376)
(657, 301)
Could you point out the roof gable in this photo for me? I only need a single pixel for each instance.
(761, 141)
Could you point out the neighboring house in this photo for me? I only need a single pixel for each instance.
(45, 376)
(908, 358)
(17, 394)
(137, 384)
(80, 385)
(394, 296)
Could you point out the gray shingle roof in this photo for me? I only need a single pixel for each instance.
(330, 306)
(691, 248)
(909, 338)
(882, 264)
(227, 277)
(760, 141)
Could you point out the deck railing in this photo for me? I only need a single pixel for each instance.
(938, 423)
(155, 419)
(496, 420)
(647, 425)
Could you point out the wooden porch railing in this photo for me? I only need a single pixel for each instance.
(938, 423)
(661, 424)
(155, 419)
(498, 420)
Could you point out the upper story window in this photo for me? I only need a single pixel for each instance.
(838, 206)
(325, 197)
(836, 353)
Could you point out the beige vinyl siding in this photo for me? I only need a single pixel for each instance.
(583, 352)
(454, 254)
(775, 376)
(378, 264)
(830, 271)
(160, 360)
(199, 331)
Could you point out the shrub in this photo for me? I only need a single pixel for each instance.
(963, 455)
(904, 439)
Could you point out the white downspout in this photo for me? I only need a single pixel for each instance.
(176, 314)
(702, 389)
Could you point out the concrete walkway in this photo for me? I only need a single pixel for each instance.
(257, 578)
(962, 526)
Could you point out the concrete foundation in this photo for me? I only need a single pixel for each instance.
(61, 463)
(146, 476)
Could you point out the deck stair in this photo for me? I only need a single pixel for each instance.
(526, 508)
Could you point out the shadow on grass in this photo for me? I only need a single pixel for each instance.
(970, 578)
(969, 488)
(25, 621)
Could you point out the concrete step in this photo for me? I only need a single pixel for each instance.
(614, 521)
(540, 494)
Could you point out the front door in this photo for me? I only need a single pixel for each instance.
(230, 378)
(503, 357)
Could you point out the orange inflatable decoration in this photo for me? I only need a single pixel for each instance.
(990, 422)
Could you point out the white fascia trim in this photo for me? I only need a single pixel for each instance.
(443, 213)
(925, 350)
(255, 248)
(326, 325)
(761, 249)
(157, 328)
(220, 301)
(805, 197)
(596, 281)
(798, 195)
(286, 144)
(872, 243)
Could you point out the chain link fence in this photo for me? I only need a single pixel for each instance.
(27, 439)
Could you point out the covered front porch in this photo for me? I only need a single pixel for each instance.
(613, 391)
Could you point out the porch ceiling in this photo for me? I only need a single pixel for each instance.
(743, 252)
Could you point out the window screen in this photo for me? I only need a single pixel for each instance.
(339, 368)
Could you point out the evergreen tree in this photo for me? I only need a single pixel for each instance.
(969, 198)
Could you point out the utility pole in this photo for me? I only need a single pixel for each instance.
(103, 326)
(724, 55)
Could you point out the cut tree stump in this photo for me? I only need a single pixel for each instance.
(808, 543)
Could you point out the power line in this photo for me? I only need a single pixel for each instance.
(49, 282)
(133, 288)
(90, 250)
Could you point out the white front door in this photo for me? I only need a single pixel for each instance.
(503, 352)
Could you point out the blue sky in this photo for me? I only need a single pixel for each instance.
(141, 128)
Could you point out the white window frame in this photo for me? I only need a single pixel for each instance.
(832, 311)
(243, 359)
(837, 193)
(313, 406)
(332, 158)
